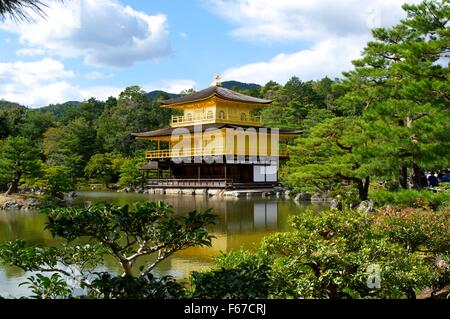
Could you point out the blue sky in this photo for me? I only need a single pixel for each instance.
(96, 48)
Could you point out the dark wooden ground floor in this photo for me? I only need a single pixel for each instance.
(203, 175)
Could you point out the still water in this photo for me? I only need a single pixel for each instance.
(242, 223)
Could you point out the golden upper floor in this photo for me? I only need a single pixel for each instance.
(218, 139)
(228, 127)
(216, 105)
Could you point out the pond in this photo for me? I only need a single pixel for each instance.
(242, 223)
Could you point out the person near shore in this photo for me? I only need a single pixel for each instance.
(433, 180)
(423, 181)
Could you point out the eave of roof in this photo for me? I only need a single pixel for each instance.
(212, 91)
(191, 128)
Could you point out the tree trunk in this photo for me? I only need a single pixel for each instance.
(403, 178)
(127, 266)
(414, 179)
(363, 188)
(9, 191)
(364, 191)
(361, 185)
(410, 294)
(14, 187)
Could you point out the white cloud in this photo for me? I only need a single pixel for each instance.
(30, 73)
(46, 81)
(333, 31)
(170, 86)
(102, 32)
(30, 52)
(99, 92)
(315, 20)
(183, 34)
(95, 75)
(329, 57)
(43, 82)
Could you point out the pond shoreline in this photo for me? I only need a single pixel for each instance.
(20, 202)
(31, 201)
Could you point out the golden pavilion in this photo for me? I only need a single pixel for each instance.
(217, 142)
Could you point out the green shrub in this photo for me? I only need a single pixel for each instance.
(237, 275)
(411, 198)
(332, 255)
(107, 286)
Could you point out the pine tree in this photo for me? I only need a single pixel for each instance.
(401, 87)
(18, 158)
(334, 152)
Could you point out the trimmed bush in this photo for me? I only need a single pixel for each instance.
(411, 198)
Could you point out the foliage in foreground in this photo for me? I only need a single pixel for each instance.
(125, 233)
(412, 198)
(396, 253)
(336, 255)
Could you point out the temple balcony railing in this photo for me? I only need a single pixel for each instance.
(211, 117)
(190, 184)
(194, 182)
(193, 152)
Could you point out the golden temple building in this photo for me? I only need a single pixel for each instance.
(217, 142)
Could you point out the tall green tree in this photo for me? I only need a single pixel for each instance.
(298, 104)
(51, 146)
(34, 124)
(129, 172)
(401, 86)
(92, 109)
(76, 146)
(134, 112)
(64, 113)
(18, 158)
(270, 89)
(55, 180)
(334, 153)
(12, 118)
(104, 167)
(78, 138)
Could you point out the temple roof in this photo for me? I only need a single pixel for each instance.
(168, 131)
(219, 91)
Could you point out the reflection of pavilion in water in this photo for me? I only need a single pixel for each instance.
(265, 217)
(235, 216)
(242, 224)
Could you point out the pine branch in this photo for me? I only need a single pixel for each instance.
(22, 10)
(419, 115)
(343, 147)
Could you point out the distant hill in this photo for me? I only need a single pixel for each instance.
(10, 105)
(60, 109)
(157, 93)
(227, 84)
(240, 85)
(74, 106)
